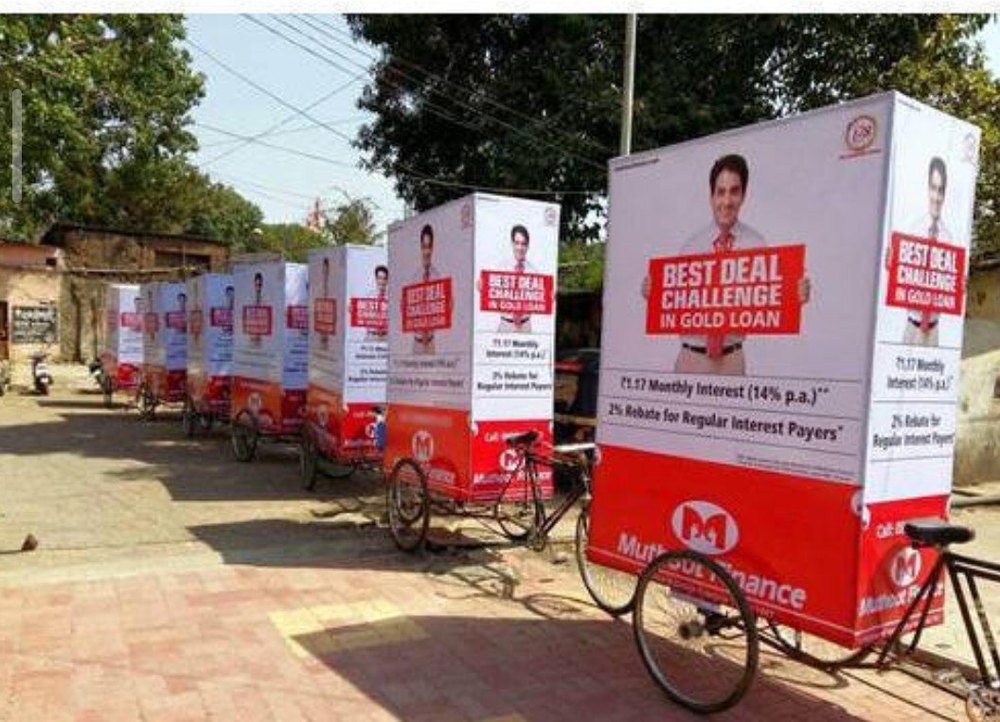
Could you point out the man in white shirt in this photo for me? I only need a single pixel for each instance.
(922, 326)
(722, 353)
(519, 242)
(423, 341)
(380, 292)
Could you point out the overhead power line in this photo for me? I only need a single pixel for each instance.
(289, 131)
(407, 171)
(531, 137)
(397, 60)
(432, 109)
(284, 121)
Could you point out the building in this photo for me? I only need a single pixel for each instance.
(977, 451)
(93, 257)
(30, 283)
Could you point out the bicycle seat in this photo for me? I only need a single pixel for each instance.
(937, 532)
(526, 439)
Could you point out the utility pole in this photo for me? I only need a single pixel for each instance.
(627, 86)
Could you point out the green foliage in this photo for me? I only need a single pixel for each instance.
(581, 266)
(291, 239)
(217, 211)
(105, 103)
(353, 222)
(695, 75)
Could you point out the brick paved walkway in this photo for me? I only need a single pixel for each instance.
(475, 636)
(174, 584)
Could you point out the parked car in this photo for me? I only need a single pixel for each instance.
(575, 412)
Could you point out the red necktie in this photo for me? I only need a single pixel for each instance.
(716, 341)
(925, 316)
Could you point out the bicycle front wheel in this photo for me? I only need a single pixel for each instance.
(695, 631)
(517, 513)
(613, 591)
(408, 505)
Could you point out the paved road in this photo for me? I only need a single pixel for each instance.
(174, 584)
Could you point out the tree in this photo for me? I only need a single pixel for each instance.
(105, 103)
(354, 222)
(531, 102)
(293, 240)
(217, 211)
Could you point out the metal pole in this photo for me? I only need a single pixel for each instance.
(626, 140)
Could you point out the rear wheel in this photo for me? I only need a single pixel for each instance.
(308, 458)
(146, 402)
(613, 591)
(408, 505)
(244, 436)
(107, 390)
(695, 631)
(188, 418)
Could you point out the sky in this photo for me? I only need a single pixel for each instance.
(282, 184)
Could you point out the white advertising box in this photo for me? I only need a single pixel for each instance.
(121, 357)
(348, 347)
(211, 300)
(271, 344)
(471, 337)
(164, 341)
(783, 312)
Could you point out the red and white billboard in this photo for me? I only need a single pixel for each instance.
(270, 344)
(121, 357)
(348, 350)
(212, 306)
(471, 329)
(164, 339)
(786, 396)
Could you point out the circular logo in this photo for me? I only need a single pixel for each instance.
(861, 133)
(510, 460)
(705, 527)
(422, 445)
(550, 216)
(905, 567)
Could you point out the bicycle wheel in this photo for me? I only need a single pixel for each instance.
(308, 459)
(188, 418)
(518, 515)
(147, 403)
(244, 436)
(815, 651)
(408, 505)
(107, 391)
(613, 591)
(695, 631)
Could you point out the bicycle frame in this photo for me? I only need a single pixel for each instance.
(529, 468)
(963, 572)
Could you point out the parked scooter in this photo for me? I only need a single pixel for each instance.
(40, 376)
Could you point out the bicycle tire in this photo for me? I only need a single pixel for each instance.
(308, 459)
(815, 651)
(518, 519)
(243, 436)
(717, 612)
(408, 505)
(612, 591)
(188, 418)
(146, 403)
(107, 391)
